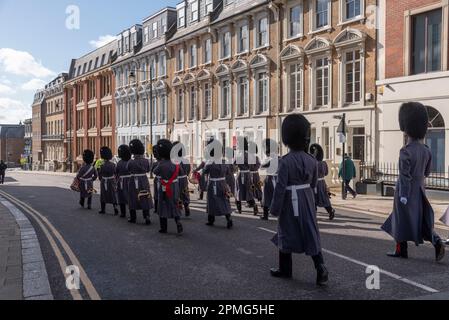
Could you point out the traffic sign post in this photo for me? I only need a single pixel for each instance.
(343, 139)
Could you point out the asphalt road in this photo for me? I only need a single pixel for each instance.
(126, 261)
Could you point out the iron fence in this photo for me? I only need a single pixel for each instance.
(388, 173)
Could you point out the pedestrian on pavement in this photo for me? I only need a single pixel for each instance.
(169, 193)
(245, 187)
(123, 177)
(294, 201)
(184, 179)
(349, 174)
(321, 192)
(218, 191)
(271, 165)
(108, 182)
(413, 217)
(87, 175)
(139, 186)
(3, 168)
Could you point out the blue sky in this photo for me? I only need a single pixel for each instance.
(36, 45)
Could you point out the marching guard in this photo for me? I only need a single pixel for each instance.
(271, 165)
(108, 186)
(202, 183)
(155, 179)
(294, 201)
(321, 191)
(230, 177)
(413, 217)
(87, 175)
(184, 179)
(255, 176)
(139, 185)
(169, 193)
(123, 177)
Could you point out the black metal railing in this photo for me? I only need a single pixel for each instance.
(388, 173)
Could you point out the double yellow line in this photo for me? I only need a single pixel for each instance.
(54, 237)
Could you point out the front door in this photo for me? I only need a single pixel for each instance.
(436, 141)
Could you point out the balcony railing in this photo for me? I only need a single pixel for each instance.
(55, 137)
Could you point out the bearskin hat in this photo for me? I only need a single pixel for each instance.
(124, 153)
(209, 142)
(296, 132)
(317, 152)
(414, 120)
(163, 149)
(182, 149)
(88, 156)
(106, 153)
(136, 147)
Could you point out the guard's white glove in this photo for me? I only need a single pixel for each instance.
(404, 201)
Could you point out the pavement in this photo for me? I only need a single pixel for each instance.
(116, 260)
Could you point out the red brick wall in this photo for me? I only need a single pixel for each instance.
(395, 33)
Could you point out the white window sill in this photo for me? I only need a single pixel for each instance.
(261, 115)
(297, 37)
(320, 30)
(221, 60)
(243, 116)
(192, 68)
(243, 53)
(353, 20)
(207, 119)
(226, 118)
(206, 64)
(265, 47)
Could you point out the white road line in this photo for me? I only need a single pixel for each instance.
(360, 263)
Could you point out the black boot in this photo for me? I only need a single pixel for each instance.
(187, 210)
(439, 251)
(331, 212)
(115, 210)
(89, 203)
(155, 205)
(132, 216)
(201, 195)
(322, 275)
(285, 266)
(211, 221)
(122, 211)
(179, 226)
(239, 206)
(81, 202)
(146, 217)
(103, 208)
(266, 213)
(164, 225)
(230, 224)
(400, 252)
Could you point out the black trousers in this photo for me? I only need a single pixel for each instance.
(164, 223)
(348, 188)
(211, 219)
(2, 178)
(133, 214)
(89, 201)
(318, 260)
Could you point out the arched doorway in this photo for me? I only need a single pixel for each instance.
(436, 139)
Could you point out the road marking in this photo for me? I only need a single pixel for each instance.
(41, 220)
(360, 263)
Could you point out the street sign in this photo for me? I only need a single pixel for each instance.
(342, 137)
(150, 148)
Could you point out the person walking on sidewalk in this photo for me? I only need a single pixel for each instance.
(86, 176)
(108, 182)
(123, 177)
(321, 191)
(349, 174)
(3, 168)
(294, 201)
(413, 217)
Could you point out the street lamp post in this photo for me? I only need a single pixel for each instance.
(342, 131)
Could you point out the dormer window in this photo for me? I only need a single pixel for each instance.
(181, 18)
(194, 8)
(262, 32)
(164, 25)
(154, 30)
(127, 44)
(120, 47)
(146, 31)
(209, 6)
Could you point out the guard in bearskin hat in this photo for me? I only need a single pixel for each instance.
(169, 201)
(218, 191)
(156, 182)
(184, 179)
(230, 176)
(87, 175)
(123, 177)
(271, 165)
(294, 201)
(139, 185)
(321, 191)
(108, 183)
(413, 217)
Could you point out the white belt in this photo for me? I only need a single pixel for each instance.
(295, 200)
(105, 180)
(272, 175)
(124, 177)
(322, 179)
(215, 184)
(182, 177)
(136, 181)
(160, 186)
(86, 181)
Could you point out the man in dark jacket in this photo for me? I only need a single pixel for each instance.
(349, 174)
(3, 168)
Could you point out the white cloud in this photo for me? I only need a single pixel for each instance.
(6, 90)
(13, 111)
(101, 41)
(22, 63)
(33, 85)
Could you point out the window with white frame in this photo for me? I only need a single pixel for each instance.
(192, 103)
(126, 114)
(154, 110)
(133, 113)
(153, 67)
(120, 47)
(352, 71)
(207, 51)
(181, 17)
(180, 105)
(294, 21)
(262, 32)
(193, 56)
(226, 45)
(118, 76)
(261, 92)
(351, 9)
(180, 60)
(154, 30)
(162, 64)
(225, 98)
(143, 70)
(194, 10)
(209, 6)
(242, 95)
(144, 111)
(321, 14)
(294, 86)
(207, 111)
(243, 39)
(322, 82)
(163, 108)
(146, 34)
(119, 114)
